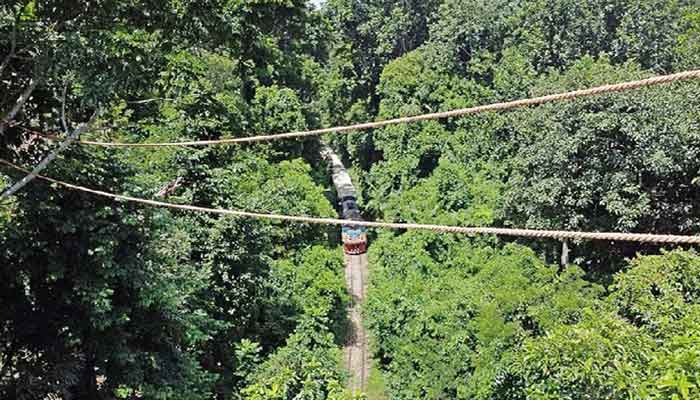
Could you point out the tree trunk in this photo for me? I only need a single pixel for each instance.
(564, 253)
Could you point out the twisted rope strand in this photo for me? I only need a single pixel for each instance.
(471, 231)
(619, 87)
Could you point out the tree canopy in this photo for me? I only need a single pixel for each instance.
(104, 299)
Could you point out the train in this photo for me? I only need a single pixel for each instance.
(354, 236)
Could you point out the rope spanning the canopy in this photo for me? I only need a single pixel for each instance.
(531, 233)
(619, 87)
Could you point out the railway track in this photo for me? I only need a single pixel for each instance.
(356, 352)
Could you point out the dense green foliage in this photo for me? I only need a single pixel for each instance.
(454, 319)
(106, 299)
(473, 319)
(102, 299)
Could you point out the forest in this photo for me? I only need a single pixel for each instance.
(107, 299)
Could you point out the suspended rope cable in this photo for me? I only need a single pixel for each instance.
(530, 233)
(619, 87)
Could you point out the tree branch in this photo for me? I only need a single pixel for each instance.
(18, 105)
(49, 158)
(170, 187)
(63, 108)
(150, 100)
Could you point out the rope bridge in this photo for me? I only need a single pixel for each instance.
(531, 233)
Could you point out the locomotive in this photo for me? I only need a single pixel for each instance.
(354, 236)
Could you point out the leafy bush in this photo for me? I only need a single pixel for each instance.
(448, 316)
(688, 42)
(315, 285)
(661, 293)
(644, 344)
(307, 367)
(457, 319)
(602, 357)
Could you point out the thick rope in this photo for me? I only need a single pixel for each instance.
(531, 233)
(620, 87)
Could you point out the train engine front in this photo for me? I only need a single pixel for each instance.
(354, 236)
